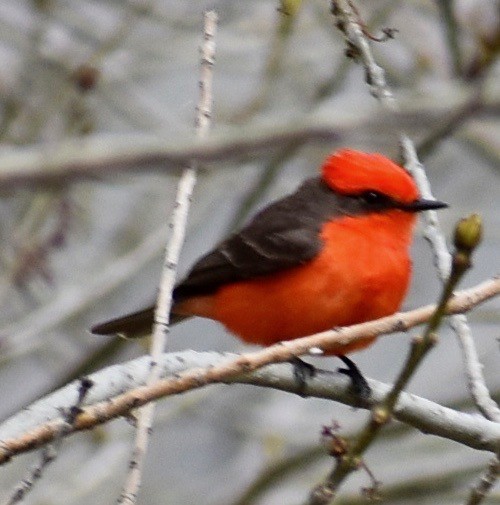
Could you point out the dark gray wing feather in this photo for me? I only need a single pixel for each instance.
(282, 236)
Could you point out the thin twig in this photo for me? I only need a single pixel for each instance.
(434, 235)
(349, 23)
(172, 253)
(474, 369)
(74, 299)
(446, 8)
(49, 452)
(432, 231)
(233, 369)
(467, 238)
(486, 482)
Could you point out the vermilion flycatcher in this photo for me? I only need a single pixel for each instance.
(334, 253)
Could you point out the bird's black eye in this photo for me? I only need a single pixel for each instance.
(373, 197)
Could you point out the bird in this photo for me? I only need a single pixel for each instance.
(336, 252)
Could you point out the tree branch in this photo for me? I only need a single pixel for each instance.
(37, 425)
(96, 157)
(433, 234)
(161, 326)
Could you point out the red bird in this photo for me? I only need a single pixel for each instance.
(334, 253)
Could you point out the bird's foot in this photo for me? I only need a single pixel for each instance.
(359, 383)
(302, 371)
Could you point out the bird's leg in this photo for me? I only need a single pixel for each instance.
(359, 384)
(302, 371)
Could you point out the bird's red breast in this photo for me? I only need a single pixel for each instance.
(363, 276)
(334, 253)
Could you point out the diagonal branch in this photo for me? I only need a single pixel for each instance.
(25, 432)
(434, 235)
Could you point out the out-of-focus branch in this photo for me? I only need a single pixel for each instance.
(454, 121)
(25, 431)
(97, 157)
(288, 12)
(450, 24)
(77, 297)
(486, 482)
(104, 156)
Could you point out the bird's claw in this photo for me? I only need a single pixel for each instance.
(359, 383)
(302, 371)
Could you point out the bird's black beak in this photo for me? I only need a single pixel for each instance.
(423, 204)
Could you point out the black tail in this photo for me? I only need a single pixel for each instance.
(134, 325)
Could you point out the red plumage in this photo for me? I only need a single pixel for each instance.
(334, 253)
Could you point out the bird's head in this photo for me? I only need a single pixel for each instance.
(376, 179)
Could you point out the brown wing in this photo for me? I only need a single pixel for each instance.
(283, 235)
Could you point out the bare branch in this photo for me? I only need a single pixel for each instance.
(49, 452)
(70, 302)
(349, 23)
(104, 156)
(434, 235)
(25, 431)
(178, 224)
(487, 481)
(97, 157)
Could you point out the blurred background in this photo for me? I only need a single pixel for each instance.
(74, 254)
